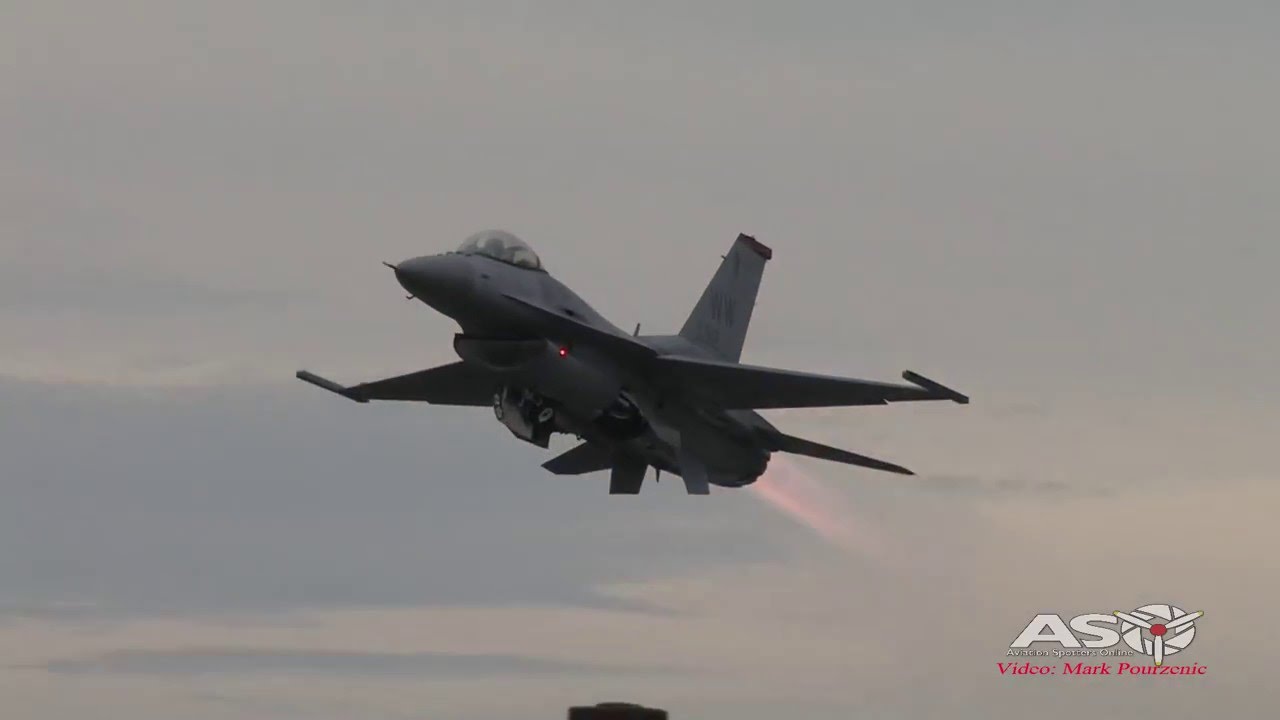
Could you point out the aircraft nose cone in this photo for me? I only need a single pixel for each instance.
(444, 282)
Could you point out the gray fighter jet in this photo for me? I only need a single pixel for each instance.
(546, 362)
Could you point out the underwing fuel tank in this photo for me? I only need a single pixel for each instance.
(578, 381)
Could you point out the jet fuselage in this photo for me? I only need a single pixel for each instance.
(478, 292)
(547, 362)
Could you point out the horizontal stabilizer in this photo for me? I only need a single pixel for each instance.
(800, 446)
(733, 386)
(453, 384)
(585, 458)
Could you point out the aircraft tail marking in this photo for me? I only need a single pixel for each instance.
(719, 321)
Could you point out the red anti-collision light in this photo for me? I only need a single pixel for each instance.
(564, 350)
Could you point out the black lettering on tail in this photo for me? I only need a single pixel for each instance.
(719, 320)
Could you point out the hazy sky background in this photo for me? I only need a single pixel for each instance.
(1069, 211)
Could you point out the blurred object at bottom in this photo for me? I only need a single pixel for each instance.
(616, 711)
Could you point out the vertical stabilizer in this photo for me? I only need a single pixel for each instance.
(719, 320)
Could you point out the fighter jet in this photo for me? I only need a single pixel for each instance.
(547, 363)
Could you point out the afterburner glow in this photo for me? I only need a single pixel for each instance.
(791, 490)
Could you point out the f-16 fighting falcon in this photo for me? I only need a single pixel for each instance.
(546, 362)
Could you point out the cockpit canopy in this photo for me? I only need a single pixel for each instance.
(503, 246)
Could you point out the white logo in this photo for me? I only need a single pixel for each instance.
(1159, 621)
(1156, 630)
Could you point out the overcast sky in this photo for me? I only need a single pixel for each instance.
(1069, 211)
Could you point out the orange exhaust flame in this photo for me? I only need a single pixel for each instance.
(804, 499)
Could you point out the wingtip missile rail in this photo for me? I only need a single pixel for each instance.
(941, 391)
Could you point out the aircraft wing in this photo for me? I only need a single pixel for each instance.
(453, 384)
(800, 446)
(733, 386)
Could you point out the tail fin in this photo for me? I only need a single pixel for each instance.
(719, 320)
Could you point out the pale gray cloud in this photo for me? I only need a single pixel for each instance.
(257, 513)
(110, 291)
(974, 485)
(253, 661)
